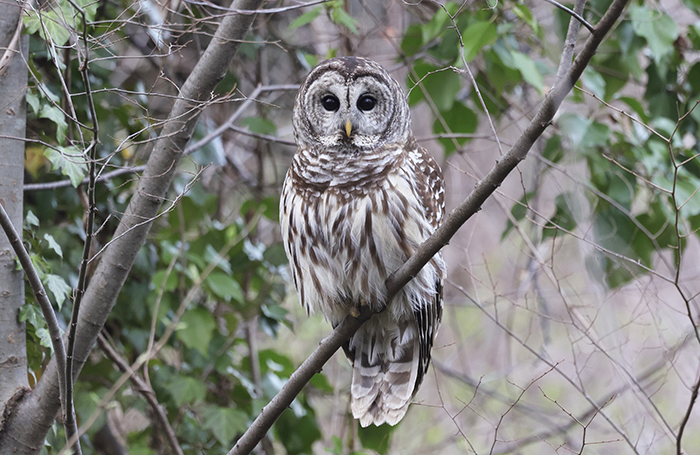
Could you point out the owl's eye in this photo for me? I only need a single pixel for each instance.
(366, 103)
(330, 103)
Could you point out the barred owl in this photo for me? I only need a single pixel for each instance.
(359, 197)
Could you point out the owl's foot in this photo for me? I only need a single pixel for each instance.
(357, 310)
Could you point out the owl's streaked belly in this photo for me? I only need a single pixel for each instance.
(343, 245)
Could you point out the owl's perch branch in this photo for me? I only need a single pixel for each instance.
(441, 237)
(312, 365)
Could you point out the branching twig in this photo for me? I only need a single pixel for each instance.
(551, 364)
(146, 356)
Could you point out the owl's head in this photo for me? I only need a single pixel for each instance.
(350, 104)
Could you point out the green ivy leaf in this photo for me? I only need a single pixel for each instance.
(33, 101)
(185, 389)
(460, 119)
(519, 210)
(259, 125)
(553, 151)
(53, 244)
(657, 28)
(305, 18)
(573, 126)
(225, 287)
(53, 113)
(528, 69)
(340, 16)
(562, 218)
(297, 433)
(70, 162)
(57, 30)
(376, 438)
(525, 14)
(275, 255)
(31, 219)
(436, 26)
(224, 423)
(159, 281)
(476, 36)
(637, 106)
(694, 34)
(44, 338)
(412, 41)
(320, 381)
(31, 314)
(89, 6)
(594, 82)
(196, 329)
(58, 287)
(270, 206)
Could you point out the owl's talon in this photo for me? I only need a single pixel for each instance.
(355, 312)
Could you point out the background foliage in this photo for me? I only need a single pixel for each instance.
(572, 299)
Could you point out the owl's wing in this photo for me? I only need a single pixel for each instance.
(430, 185)
(430, 189)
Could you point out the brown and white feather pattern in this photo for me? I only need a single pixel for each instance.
(350, 217)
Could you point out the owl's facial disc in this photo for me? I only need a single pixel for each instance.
(353, 111)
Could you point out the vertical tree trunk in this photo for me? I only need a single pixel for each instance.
(13, 83)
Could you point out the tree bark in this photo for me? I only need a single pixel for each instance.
(13, 84)
(34, 414)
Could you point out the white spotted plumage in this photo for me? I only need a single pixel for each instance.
(353, 209)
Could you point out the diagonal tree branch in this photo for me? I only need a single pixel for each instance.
(27, 427)
(471, 205)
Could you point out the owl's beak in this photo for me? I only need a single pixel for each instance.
(348, 127)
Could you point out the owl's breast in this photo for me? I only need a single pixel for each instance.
(343, 242)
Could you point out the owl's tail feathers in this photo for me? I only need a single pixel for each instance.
(385, 370)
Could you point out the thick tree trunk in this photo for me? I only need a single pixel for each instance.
(27, 427)
(13, 83)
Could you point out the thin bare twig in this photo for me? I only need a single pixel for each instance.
(679, 258)
(549, 363)
(144, 389)
(91, 152)
(574, 14)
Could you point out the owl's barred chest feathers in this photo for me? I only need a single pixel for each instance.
(349, 230)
